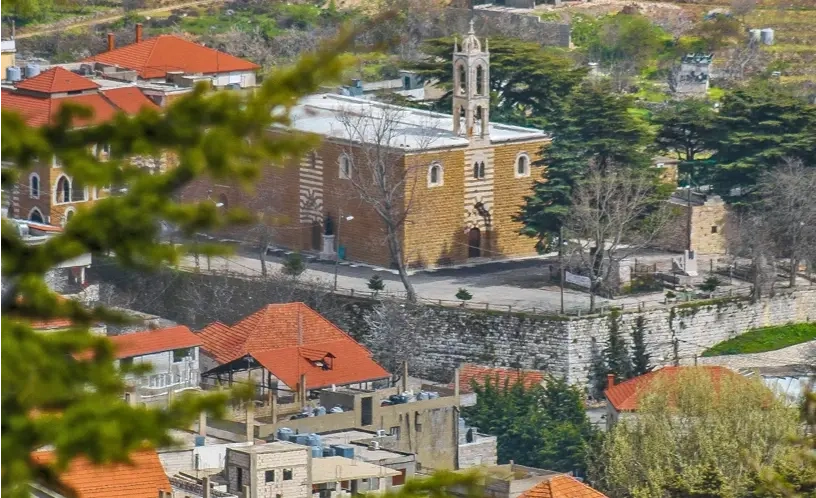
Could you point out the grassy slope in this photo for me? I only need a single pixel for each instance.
(765, 339)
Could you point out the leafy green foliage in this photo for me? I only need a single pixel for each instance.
(62, 389)
(694, 437)
(596, 126)
(640, 358)
(684, 127)
(376, 283)
(765, 339)
(293, 265)
(710, 284)
(625, 37)
(463, 295)
(757, 127)
(616, 352)
(544, 427)
(528, 82)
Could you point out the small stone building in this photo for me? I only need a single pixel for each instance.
(270, 470)
(700, 217)
(692, 77)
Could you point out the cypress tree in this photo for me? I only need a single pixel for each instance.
(616, 352)
(640, 358)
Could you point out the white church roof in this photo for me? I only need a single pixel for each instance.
(350, 118)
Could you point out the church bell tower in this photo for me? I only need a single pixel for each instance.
(471, 88)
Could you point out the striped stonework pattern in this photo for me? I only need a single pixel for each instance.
(478, 190)
(311, 188)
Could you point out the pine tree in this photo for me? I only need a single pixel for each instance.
(376, 284)
(756, 128)
(463, 295)
(597, 125)
(294, 265)
(616, 352)
(598, 371)
(640, 358)
(63, 389)
(684, 127)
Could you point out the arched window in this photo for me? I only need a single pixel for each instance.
(77, 191)
(34, 186)
(476, 170)
(345, 167)
(461, 79)
(36, 216)
(522, 165)
(481, 169)
(435, 177)
(480, 76)
(63, 190)
(69, 213)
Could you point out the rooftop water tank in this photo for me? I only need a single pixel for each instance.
(328, 451)
(200, 440)
(13, 74)
(284, 433)
(755, 35)
(313, 440)
(767, 36)
(343, 450)
(317, 452)
(32, 70)
(337, 409)
(320, 410)
(302, 439)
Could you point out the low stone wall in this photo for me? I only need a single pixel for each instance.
(451, 336)
(528, 27)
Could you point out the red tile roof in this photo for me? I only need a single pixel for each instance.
(346, 363)
(154, 341)
(41, 111)
(470, 372)
(52, 323)
(129, 99)
(57, 80)
(153, 58)
(273, 326)
(562, 486)
(142, 478)
(287, 339)
(626, 395)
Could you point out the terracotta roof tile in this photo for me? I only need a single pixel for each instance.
(470, 372)
(274, 326)
(154, 341)
(287, 339)
(154, 57)
(625, 396)
(348, 364)
(41, 111)
(142, 478)
(57, 80)
(129, 99)
(562, 486)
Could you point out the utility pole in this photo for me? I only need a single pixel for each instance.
(688, 220)
(337, 249)
(561, 264)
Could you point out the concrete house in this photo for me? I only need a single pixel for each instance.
(173, 354)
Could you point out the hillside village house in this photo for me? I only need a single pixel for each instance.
(467, 176)
(146, 74)
(622, 400)
(172, 353)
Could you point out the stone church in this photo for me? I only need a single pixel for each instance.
(460, 178)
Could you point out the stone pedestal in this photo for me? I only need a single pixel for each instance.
(328, 251)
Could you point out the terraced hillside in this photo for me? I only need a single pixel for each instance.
(794, 50)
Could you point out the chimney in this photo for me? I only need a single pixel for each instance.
(138, 32)
(610, 381)
(111, 43)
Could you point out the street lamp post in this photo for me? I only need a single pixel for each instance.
(337, 242)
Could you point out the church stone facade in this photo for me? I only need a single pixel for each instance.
(464, 185)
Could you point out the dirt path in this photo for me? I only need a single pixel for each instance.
(112, 18)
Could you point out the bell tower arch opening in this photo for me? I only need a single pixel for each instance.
(471, 82)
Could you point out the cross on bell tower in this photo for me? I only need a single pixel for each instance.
(471, 88)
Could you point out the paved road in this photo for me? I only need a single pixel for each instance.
(520, 284)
